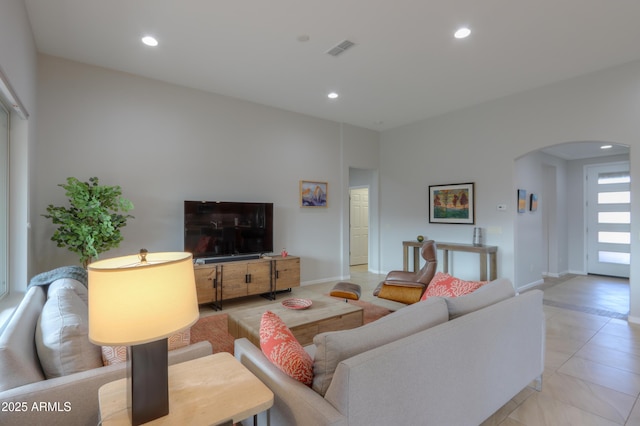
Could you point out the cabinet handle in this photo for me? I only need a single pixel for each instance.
(247, 278)
(277, 274)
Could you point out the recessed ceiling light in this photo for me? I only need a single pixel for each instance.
(606, 147)
(302, 38)
(150, 41)
(462, 32)
(332, 95)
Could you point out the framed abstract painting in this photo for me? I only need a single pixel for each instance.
(454, 203)
(313, 193)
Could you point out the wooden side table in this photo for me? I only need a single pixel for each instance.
(203, 391)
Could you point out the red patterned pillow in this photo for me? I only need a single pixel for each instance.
(281, 348)
(444, 285)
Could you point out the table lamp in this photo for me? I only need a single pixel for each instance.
(138, 301)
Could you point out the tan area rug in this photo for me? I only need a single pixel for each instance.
(214, 328)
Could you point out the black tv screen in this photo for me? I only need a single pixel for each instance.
(221, 229)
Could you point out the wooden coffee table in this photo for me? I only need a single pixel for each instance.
(325, 314)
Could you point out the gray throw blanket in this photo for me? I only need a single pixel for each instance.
(74, 272)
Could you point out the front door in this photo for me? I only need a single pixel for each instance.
(608, 219)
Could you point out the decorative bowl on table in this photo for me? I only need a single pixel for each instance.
(295, 303)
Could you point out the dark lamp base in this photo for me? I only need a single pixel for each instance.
(148, 377)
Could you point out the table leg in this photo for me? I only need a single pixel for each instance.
(483, 266)
(493, 272)
(416, 259)
(405, 258)
(445, 261)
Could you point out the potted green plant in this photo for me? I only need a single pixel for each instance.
(91, 224)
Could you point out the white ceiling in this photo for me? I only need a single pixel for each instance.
(406, 66)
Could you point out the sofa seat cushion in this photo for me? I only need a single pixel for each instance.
(281, 347)
(335, 346)
(445, 285)
(19, 364)
(488, 294)
(62, 336)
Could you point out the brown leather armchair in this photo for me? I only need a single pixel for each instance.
(408, 287)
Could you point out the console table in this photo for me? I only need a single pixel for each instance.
(416, 254)
(204, 391)
(482, 250)
(485, 252)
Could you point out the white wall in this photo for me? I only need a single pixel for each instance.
(164, 144)
(480, 144)
(18, 62)
(531, 245)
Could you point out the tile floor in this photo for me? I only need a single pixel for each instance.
(592, 364)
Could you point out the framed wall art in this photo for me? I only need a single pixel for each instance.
(313, 193)
(522, 200)
(453, 203)
(533, 202)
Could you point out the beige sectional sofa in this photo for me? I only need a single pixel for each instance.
(27, 397)
(451, 361)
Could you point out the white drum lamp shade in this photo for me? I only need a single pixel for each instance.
(131, 302)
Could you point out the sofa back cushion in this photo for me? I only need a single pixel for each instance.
(62, 336)
(488, 294)
(19, 363)
(72, 284)
(335, 346)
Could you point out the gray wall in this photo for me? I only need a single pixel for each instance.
(164, 144)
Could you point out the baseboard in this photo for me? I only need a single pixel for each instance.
(560, 274)
(634, 320)
(530, 285)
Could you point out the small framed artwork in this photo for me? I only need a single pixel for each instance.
(453, 203)
(533, 202)
(313, 193)
(522, 200)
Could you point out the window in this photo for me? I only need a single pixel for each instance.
(4, 200)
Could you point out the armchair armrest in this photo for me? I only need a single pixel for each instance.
(401, 276)
(404, 283)
(73, 399)
(294, 403)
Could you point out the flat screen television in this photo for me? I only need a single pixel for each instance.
(215, 230)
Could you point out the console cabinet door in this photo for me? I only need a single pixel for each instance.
(205, 276)
(287, 272)
(234, 280)
(259, 277)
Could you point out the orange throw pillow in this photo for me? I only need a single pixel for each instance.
(281, 348)
(444, 285)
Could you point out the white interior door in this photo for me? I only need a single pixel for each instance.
(359, 226)
(609, 220)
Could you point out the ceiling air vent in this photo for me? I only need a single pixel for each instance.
(340, 48)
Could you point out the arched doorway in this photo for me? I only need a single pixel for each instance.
(553, 241)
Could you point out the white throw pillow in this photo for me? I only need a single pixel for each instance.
(62, 336)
